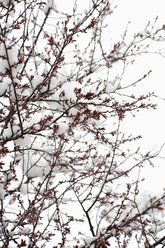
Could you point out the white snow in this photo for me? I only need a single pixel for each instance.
(2, 191)
(69, 89)
(5, 2)
(62, 128)
(7, 132)
(6, 81)
(24, 141)
(34, 165)
(37, 80)
(50, 4)
(111, 87)
(13, 54)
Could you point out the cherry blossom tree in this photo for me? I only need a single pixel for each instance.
(69, 172)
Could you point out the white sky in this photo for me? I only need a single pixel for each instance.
(150, 123)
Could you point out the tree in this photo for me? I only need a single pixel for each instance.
(69, 175)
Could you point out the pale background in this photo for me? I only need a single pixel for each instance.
(149, 123)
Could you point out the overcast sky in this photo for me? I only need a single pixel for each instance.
(151, 123)
(148, 123)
